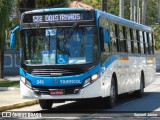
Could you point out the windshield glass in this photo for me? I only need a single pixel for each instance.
(62, 45)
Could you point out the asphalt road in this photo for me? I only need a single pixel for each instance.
(129, 107)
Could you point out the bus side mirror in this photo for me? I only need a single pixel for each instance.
(13, 37)
(106, 36)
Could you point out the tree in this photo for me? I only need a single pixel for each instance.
(158, 11)
(143, 11)
(5, 11)
(51, 3)
(121, 8)
(25, 5)
(132, 10)
(151, 12)
(95, 3)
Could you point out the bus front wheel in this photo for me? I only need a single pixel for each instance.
(112, 99)
(45, 104)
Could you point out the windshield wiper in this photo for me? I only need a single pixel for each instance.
(72, 30)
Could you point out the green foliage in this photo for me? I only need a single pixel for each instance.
(50, 3)
(5, 11)
(7, 83)
(95, 3)
(151, 12)
(156, 36)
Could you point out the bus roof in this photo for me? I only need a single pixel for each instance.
(123, 21)
(54, 10)
(109, 16)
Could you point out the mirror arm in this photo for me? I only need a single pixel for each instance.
(15, 29)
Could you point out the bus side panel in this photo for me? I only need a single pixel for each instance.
(106, 81)
(149, 71)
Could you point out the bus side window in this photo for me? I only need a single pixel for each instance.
(117, 37)
(125, 39)
(145, 43)
(101, 39)
(106, 43)
(138, 41)
(141, 42)
(132, 40)
(150, 43)
(113, 37)
(135, 41)
(128, 40)
(149, 51)
(104, 34)
(121, 39)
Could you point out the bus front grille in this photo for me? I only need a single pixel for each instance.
(54, 72)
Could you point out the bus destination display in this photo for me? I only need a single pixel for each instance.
(56, 17)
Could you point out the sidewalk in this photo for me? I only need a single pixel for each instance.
(10, 97)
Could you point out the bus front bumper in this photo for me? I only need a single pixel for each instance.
(91, 91)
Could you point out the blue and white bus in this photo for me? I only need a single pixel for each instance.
(76, 53)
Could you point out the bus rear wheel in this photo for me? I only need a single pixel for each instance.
(140, 92)
(45, 104)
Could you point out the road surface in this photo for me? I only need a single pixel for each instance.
(127, 108)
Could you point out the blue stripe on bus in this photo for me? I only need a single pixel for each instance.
(49, 81)
(115, 57)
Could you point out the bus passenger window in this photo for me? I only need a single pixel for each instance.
(149, 52)
(117, 37)
(145, 42)
(132, 40)
(141, 42)
(150, 43)
(113, 38)
(135, 41)
(128, 40)
(125, 39)
(138, 41)
(121, 38)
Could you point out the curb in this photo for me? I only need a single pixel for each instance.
(18, 105)
(9, 88)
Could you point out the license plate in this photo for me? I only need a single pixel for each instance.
(56, 92)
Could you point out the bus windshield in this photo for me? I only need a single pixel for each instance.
(61, 45)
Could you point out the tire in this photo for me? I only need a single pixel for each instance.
(139, 93)
(111, 101)
(45, 104)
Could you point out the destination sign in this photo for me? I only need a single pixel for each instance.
(57, 16)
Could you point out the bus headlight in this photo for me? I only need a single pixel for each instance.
(94, 77)
(26, 82)
(90, 80)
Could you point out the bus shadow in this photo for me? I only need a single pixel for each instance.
(126, 104)
(148, 103)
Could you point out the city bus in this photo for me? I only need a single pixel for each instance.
(79, 54)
